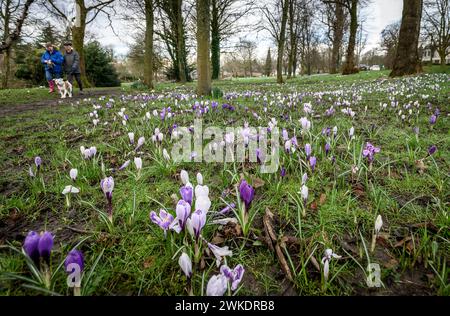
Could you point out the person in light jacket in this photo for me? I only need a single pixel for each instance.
(72, 65)
(52, 60)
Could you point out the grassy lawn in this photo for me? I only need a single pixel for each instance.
(133, 256)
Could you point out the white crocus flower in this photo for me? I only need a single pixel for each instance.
(219, 252)
(138, 163)
(378, 224)
(131, 137)
(70, 189)
(304, 192)
(326, 262)
(199, 178)
(73, 174)
(184, 177)
(166, 154)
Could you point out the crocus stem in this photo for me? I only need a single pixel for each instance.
(77, 291)
(67, 201)
(190, 291)
(374, 241)
(196, 252)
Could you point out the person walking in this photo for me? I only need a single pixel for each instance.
(52, 59)
(72, 65)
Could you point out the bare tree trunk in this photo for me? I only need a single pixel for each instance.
(442, 55)
(291, 39)
(10, 39)
(7, 53)
(203, 47)
(338, 34)
(215, 40)
(181, 49)
(78, 33)
(407, 60)
(148, 57)
(281, 40)
(349, 66)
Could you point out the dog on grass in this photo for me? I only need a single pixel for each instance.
(64, 87)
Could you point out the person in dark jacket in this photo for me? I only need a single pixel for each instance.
(72, 65)
(52, 60)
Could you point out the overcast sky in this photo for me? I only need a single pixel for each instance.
(379, 14)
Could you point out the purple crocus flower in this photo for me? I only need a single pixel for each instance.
(164, 220)
(327, 148)
(38, 162)
(186, 194)
(247, 193)
(312, 162)
(30, 246)
(258, 155)
(369, 151)
(433, 119)
(227, 209)
(432, 150)
(308, 150)
(283, 172)
(183, 211)
(45, 246)
(234, 276)
(74, 257)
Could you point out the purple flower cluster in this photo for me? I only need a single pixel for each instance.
(370, 151)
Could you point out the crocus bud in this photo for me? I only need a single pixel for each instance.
(74, 257)
(126, 163)
(38, 162)
(45, 246)
(184, 177)
(432, 150)
(199, 178)
(227, 209)
(185, 264)
(304, 192)
(378, 224)
(30, 246)
(166, 154)
(131, 137)
(304, 178)
(327, 148)
(186, 194)
(283, 172)
(312, 162)
(138, 163)
(308, 150)
(247, 193)
(73, 174)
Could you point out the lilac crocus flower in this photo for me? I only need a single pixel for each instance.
(217, 285)
(74, 257)
(107, 185)
(183, 211)
(38, 162)
(432, 150)
(327, 148)
(197, 222)
(433, 119)
(45, 246)
(30, 246)
(187, 194)
(285, 134)
(125, 164)
(164, 220)
(312, 162)
(308, 150)
(247, 193)
(227, 209)
(369, 151)
(234, 276)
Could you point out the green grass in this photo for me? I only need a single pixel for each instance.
(133, 257)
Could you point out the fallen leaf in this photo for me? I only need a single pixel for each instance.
(402, 242)
(322, 199)
(149, 262)
(257, 182)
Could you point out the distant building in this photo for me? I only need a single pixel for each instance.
(435, 59)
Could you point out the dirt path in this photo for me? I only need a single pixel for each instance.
(20, 108)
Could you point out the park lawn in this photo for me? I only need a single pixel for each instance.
(132, 256)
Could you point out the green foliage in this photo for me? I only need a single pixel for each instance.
(99, 68)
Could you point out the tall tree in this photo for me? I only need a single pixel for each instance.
(293, 37)
(225, 17)
(437, 24)
(389, 40)
(173, 34)
(335, 21)
(268, 65)
(86, 12)
(276, 16)
(407, 60)
(11, 13)
(203, 47)
(148, 55)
